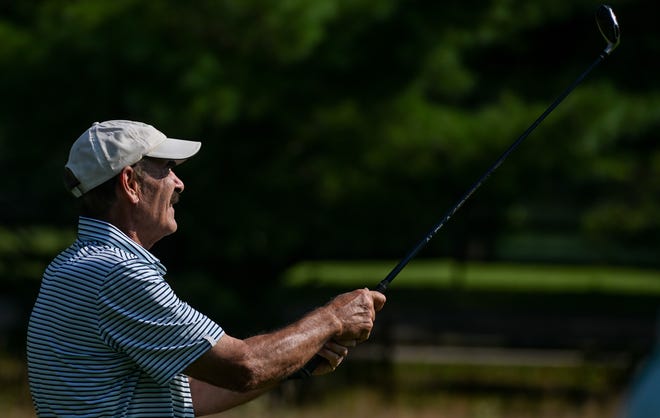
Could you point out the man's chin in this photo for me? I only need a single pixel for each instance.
(170, 228)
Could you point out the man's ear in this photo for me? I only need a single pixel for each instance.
(128, 185)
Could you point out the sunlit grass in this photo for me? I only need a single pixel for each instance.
(418, 392)
(15, 401)
(367, 402)
(478, 276)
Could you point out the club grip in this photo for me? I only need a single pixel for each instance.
(309, 367)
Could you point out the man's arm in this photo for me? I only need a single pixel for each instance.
(209, 399)
(257, 363)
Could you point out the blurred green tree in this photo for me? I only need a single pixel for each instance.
(345, 128)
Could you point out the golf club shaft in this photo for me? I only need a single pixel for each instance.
(311, 365)
(609, 28)
(382, 286)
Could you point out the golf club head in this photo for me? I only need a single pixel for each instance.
(608, 26)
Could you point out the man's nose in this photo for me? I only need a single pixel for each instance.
(178, 184)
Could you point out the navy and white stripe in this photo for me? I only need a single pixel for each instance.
(108, 336)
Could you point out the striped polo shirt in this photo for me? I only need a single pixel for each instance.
(108, 337)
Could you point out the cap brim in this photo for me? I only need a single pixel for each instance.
(175, 149)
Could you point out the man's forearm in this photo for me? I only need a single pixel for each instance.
(263, 360)
(273, 356)
(209, 399)
(260, 361)
(288, 349)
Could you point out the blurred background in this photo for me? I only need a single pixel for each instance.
(335, 134)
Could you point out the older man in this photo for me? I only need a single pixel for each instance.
(108, 336)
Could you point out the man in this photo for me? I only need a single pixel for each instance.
(107, 335)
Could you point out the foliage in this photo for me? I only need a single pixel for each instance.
(343, 128)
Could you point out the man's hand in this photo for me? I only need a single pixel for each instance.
(356, 312)
(334, 352)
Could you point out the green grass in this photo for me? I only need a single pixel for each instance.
(441, 274)
(416, 390)
(586, 378)
(369, 402)
(15, 401)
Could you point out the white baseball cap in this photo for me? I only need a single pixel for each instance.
(103, 150)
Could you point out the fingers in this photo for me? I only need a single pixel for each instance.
(345, 343)
(357, 312)
(334, 353)
(338, 348)
(378, 300)
(364, 335)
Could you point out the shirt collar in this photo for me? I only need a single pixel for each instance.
(90, 229)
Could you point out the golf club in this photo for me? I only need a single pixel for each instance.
(609, 28)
